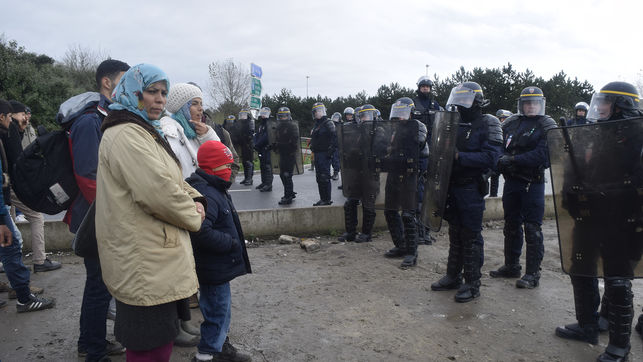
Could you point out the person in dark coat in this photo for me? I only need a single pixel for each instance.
(219, 252)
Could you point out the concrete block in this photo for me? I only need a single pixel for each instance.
(310, 245)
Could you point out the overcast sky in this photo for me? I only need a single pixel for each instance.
(343, 46)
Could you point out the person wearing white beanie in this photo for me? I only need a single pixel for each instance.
(184, 129)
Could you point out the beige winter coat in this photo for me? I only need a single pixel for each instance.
(144, 210)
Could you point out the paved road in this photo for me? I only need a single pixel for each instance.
(248, 198)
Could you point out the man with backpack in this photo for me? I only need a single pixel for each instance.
(36, 220)
(84, 139)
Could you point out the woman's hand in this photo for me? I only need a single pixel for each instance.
(200, 209)
(200, 127)
(5, 236)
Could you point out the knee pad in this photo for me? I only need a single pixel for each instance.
(619, 289)
(533, 233)
(511, 230)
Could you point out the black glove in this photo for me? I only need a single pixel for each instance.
(504, 163)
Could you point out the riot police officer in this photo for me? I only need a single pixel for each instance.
(337, 120)
(617, 226)
(580, 114)
(494, 180)
(425, 105)
(349, 114)
(360, 183)
(523, 165)
(228, 123)
(287, 146)
(242, 136)
(262, 146)
(407, 141)
(479, 145)
(323, 143)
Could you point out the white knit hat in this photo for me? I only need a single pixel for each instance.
(180, 94)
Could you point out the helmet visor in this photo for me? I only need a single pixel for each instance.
(283, 115)
(319, 111)
(531, 106)
(400, 111)
(243, 115)
(367, 114)
(601, 107)
(462, 97)
(265, 113)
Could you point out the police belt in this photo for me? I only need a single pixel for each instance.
(532, 176)
(461, 181)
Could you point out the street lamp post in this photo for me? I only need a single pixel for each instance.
(427, 70)
(307, 86)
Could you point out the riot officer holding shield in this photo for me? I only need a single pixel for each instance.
(523, 165)
(287, 152)
(494, 180)
(243, 132)
(580, 114)
(478, 147)
(349, 114)
(337, 120)
(228, 123)
(425, 107)
(323, 143)
(598, 206)
(262, 146)
(361, 183)
(401, 162)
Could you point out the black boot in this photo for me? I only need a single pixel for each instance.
(586, 299)
(350, 221)
(453, 279)
(621, 311)
(603, 315)
(534, 256)
(512, 267)
(471, 256)
(335, 176)
(368, 220)
(410, 240)
(395, 228)
(248, 170)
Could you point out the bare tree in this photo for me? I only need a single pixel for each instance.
(81, 63)
(229, 83)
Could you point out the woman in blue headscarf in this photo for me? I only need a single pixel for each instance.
(144, 213)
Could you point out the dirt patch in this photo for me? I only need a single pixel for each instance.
(347, 302)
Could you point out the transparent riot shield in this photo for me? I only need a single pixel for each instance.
(597, 174)
(396, 159)
(285, 152)
(441, 154)
(359, 180)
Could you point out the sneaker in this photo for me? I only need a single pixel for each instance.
(21, 218)
(4, 287)
(111, 349)
(46, 266)
(33, 290)
(528, 281)
(323, 203)
(34, 304)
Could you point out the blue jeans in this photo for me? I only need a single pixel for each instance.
(11, 258)
(93, 312)
(215, 304)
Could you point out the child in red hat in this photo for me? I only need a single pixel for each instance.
(219, 251)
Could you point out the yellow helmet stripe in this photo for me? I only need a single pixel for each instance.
(636, 96)
(532, 95)
(469, 90)
(319, 105)
(367, 109)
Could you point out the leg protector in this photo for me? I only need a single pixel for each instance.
(621, 312)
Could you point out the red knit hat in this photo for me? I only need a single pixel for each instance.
(213, 154)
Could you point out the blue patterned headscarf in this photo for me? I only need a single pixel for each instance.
(183, 116)
(128, 94)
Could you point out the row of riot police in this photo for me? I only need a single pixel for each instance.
(277, 143)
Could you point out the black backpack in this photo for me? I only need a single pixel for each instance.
(43, 175)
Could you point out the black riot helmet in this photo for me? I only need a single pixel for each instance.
(615, 100)
(503, 114)
(264, 112)
(425, 81)
(336, 117)
(283, 114)
(531, 102)
(319, 110)
(402, 109)
(349, 111)
(581, 106)
(367, 113)
(244, 114)
(467, 95)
